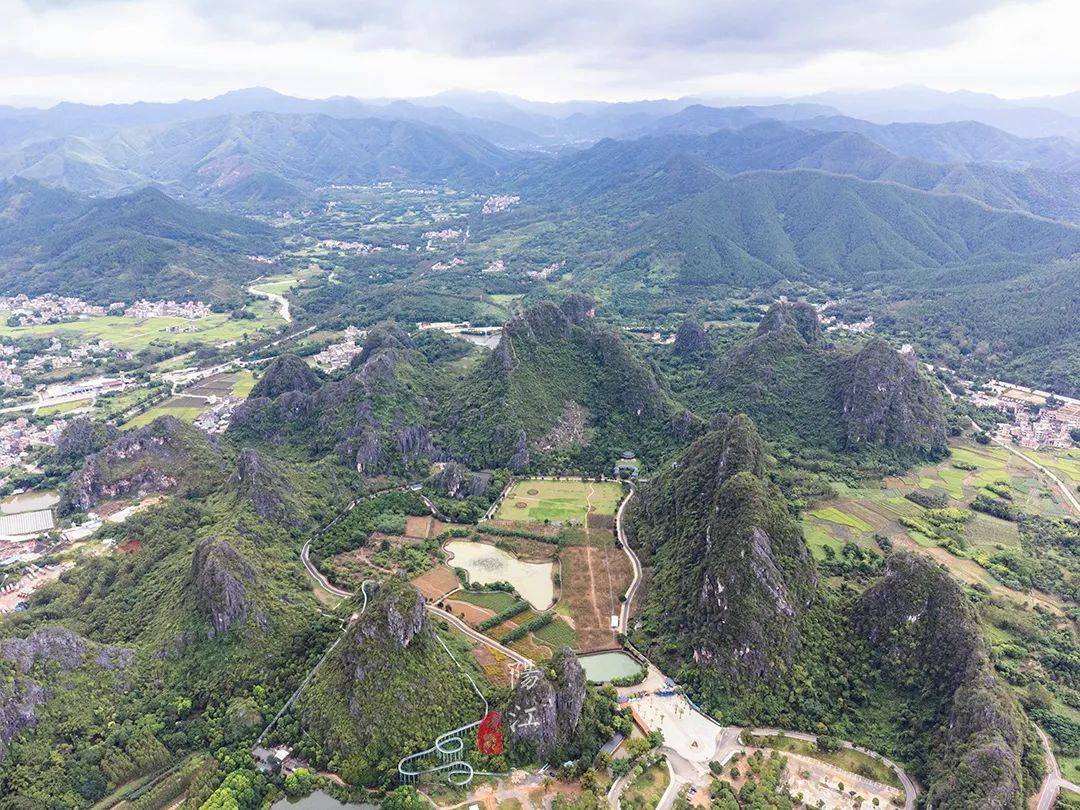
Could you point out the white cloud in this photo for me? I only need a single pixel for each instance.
(126, 50)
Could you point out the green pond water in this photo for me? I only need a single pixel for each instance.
(606, 666)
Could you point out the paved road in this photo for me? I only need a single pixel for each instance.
(1061, 484)
(1053, 782)
(624, 613)
(911, 790)
(281, 301)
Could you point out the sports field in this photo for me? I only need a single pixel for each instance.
(534, 500)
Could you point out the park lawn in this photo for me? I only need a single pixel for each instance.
(133, 334)
(533, 500)
(186, 409)
(855, 762)
(64, 407)
(496, 601)
(645, 791)
(557, 634)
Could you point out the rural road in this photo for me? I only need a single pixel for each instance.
(1053, 781)
(624, 612)
(281, 301)
(1061, 484)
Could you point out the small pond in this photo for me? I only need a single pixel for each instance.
(486, 564)
(29, 502)
(319, 801)
(606, 666)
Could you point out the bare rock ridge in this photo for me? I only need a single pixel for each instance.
(733, 575)
(544, 709)
(28, 667)
(163, 456)
(256, 480)
(220, 583)
(920, 625)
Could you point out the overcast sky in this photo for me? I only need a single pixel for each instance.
(126, 50)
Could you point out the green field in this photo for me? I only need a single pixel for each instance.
(855, 762)
(276, 285)
(496, 601)
(63, 407)
(132, 334)
(536, 501)
(557, 634)
(186, 409)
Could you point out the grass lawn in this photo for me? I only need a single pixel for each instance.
(497, 601)
(644, 792)
(855, 762)
(64, 407)
(186, 409)
(1070, 768)
(534, 501)
(134, 334)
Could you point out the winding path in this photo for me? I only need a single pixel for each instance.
(1053, 782)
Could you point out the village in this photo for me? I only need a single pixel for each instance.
(1039, 419)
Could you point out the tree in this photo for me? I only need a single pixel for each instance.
(404, 798)
(299, 782)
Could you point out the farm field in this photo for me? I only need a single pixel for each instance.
(495, 601)
(63, 407)
(593, 578)
(134, 334)
(535, 500)
(184, 408)
(859, 514)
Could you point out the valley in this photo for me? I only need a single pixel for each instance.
(422, 459)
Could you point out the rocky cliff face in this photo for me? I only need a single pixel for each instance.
(31, 666)
(733, 576)
(286, 373)
(220, 583)
(456, 481)
(81, 438)
(544, 709)
(888, 403)
(922, 628)
(165, 455)
(256, 480)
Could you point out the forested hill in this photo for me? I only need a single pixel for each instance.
(871, 403)
(559, 382)
(772, 145)
(123, 248)
(263, 157)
